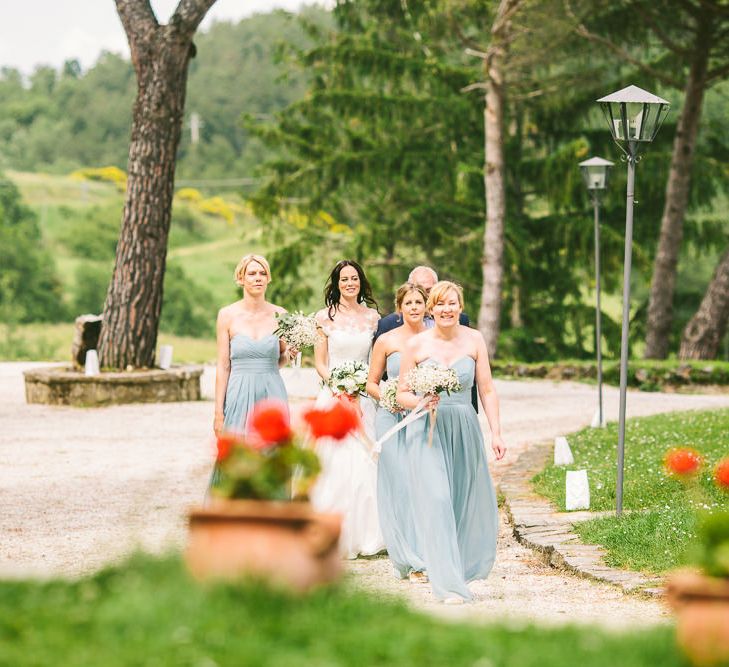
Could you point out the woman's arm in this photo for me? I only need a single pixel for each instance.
(222, 369)
(285, 354)
(487, 392)
(378, 360)
(321, 352)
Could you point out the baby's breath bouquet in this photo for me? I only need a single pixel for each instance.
(349, 378)
(388, 397)
(298, 330)
(432, 379)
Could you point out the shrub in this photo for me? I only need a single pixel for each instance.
(109, 174)
(92, 233)
(189, 194)
(30, 290)
(187, 308)
(217, 206)
(92, 282)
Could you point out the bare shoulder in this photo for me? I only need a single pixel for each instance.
(278, 309)
(477, 339)
(414, 342)
(226, 312)
(471, 333)
(387, 339)
(382, 344)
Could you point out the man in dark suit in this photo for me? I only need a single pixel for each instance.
(426, 278)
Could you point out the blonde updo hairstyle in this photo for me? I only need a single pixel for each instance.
(404, 290)
(439, 291)
(240, 270)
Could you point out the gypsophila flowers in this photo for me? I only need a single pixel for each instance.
(432, 379)
(298, 330)
(388, 396)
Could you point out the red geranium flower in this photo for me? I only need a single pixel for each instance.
(226, 442)
(683, 462)
(721, 474)
(334, 421)
(269, 422)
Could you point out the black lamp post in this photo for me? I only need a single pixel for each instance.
(634, 116)
(595, 173)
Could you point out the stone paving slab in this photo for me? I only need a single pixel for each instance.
(538, 525)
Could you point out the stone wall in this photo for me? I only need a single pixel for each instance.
(65, 386)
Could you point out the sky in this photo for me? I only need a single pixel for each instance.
(48, 32)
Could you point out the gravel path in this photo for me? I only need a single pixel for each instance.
(80, 488)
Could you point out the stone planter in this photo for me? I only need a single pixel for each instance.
(701, 604)
(65, 386)
(284, 543)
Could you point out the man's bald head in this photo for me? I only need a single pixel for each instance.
(423, 276)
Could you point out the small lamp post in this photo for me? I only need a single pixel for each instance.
(595, 173)
(634, 116)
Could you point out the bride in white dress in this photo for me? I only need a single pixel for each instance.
(348, 481)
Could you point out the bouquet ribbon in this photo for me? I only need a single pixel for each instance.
(417, 412)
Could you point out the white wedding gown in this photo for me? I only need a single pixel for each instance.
(348, 481)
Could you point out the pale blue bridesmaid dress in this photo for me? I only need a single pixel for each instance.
(454, 504)
(254, 375)
(394, 500)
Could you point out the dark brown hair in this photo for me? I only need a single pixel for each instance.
(332, 295)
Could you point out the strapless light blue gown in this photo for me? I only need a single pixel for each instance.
(394, 500)
(454, 504)
(254, 375)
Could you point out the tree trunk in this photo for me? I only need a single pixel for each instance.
(704, 332)
(492, 263)
(160, 55)
(660, 305)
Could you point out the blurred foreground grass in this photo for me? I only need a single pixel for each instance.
(148, 612)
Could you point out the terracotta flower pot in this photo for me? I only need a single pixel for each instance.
(702, 609)
(285, 543)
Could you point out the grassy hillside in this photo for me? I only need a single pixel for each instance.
(68, 208)
(80, 221)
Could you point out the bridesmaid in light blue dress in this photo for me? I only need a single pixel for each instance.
(254, 375)
(455, 511)
(394, 499)
(249, 353)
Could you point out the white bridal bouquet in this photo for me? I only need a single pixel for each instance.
(349, 378)
(430, 379)
(298, 330)
(388, 397)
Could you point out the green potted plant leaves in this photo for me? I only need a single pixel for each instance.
(700, 596)
(259, 522)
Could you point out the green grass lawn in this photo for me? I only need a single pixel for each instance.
(52, 342)
(656, 532)
(148, 612)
